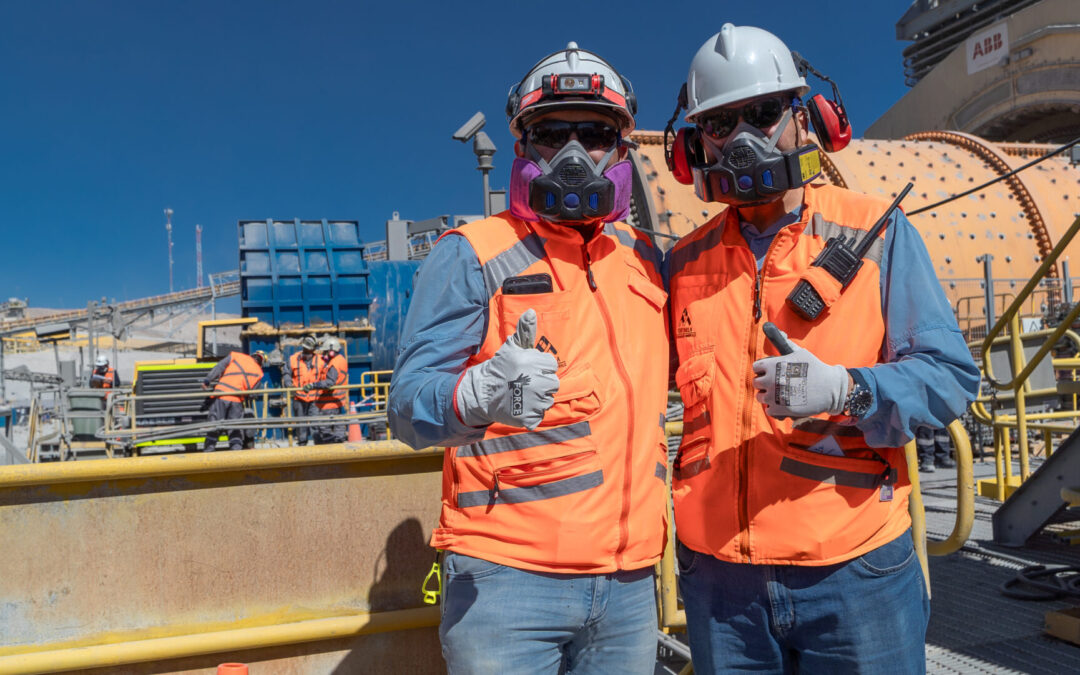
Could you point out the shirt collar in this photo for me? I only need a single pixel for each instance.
(750, 232)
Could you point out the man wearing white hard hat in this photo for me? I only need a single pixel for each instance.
(811, 343)
(104, 375)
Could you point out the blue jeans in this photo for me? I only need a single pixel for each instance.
(499, 619)
(867, 615)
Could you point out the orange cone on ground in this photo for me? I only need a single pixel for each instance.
(232, 669)
(354, 429)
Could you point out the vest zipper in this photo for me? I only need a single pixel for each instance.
(751, 401)
(624, 513)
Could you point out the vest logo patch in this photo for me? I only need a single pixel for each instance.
(685, 329)
(544, 345)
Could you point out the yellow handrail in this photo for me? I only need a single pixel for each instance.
(1010, 314)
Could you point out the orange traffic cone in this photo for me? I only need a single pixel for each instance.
(354, 429)
(232, 669)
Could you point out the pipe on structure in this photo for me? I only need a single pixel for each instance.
(215, 642)
(175, 465)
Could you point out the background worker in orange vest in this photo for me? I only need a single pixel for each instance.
(333, 372)
(531, 349)
(235, 374)
(791, 485)
(103, 376)
(303, 370)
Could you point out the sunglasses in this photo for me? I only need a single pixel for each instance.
(555, 134)
(761, 113)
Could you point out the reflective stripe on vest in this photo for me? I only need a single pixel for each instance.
(242, 374)
(302, 374)
(109, 378)
(748, 487)
(569, 482)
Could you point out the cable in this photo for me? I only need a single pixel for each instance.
(1002, 177)
(656, 233)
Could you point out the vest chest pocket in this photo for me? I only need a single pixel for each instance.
(642, 286)
(552, 316)
(695, 381)
(577, 399)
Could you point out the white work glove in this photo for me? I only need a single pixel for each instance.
(800, 385)
(514, 387)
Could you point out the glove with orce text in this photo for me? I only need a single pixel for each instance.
(799, 384)
(515, 387)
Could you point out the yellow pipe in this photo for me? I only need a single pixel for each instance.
(673, 428)
(1020, 394)
(217, 642)
(999, 463)
(217, 462)
(965, 495)
(670, 614)
(918, 513)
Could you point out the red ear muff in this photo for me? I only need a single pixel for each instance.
(681, 152)
(830, 121)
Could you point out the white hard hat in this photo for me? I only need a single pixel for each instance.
(549, 85)
(331, 343)
(738, 63)
(101, 361)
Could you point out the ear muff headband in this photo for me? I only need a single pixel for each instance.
(829, 118)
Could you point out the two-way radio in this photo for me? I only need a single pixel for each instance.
(842, 260)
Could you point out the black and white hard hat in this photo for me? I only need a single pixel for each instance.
(571, 78)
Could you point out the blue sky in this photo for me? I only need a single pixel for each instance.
(223, 111)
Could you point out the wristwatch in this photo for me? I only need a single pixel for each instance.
(859, 400)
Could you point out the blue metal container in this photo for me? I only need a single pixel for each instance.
(296, 273)
(390, 285)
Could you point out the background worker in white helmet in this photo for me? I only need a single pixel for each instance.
(530, 348)
(791, 485)
(103, 376)
(303, 369)
(333, 372)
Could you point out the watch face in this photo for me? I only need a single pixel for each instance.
(861, 400)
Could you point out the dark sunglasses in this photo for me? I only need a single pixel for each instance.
(555, 134)
(761, 113)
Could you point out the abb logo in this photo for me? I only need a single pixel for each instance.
(987, 48)
(987, 45)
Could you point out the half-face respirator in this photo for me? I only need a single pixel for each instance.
(749, 169)
(571, 187)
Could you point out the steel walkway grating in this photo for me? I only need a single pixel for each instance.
(973, 627)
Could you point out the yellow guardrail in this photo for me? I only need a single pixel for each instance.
(965, 501)
(1021, 388)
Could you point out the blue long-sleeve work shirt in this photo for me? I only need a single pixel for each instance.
(927, 376)
(446, 324)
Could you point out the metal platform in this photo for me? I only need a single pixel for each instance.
(973, 627)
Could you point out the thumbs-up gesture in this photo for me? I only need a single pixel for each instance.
(514, 387)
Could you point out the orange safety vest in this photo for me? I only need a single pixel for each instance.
(242, 374)
(334, 399)
(303, 373)
(108, 378)
(585, 491)
(747, 487)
